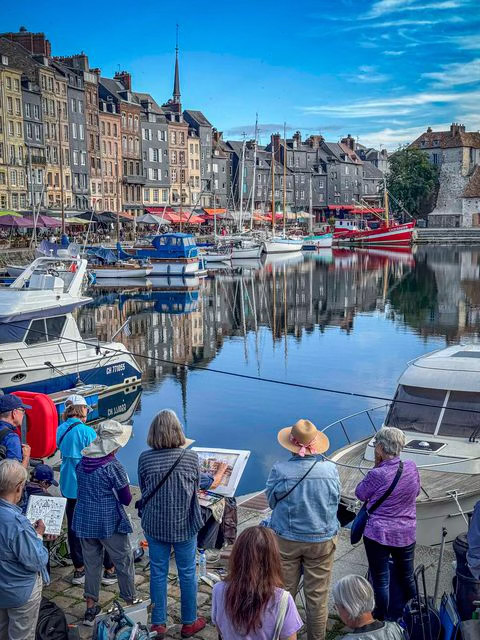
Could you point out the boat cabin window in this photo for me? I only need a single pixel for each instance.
(416, 409)
(461, 423)
(163, 240)
(45, 329)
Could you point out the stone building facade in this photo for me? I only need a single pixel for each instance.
(457, 155)
(110, 197)
(34, 143)
(155, 152)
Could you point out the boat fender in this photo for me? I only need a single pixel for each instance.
(42, 423)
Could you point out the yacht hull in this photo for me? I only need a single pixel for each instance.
(282, 246)
(115, 372)
(165, 268)
(113, 272)
(241, 253)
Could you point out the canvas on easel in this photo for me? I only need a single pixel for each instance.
(235, 459)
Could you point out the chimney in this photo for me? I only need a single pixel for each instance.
(429, 130)
(315, 141)
(36, 43)
(456, 128)
(125, 78)
(217, 135)
(275, 142)
(349, 142)
(297, 139)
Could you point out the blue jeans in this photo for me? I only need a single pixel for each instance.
(391, 596)
(185, 558)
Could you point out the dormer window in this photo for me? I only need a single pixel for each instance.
(436, 143)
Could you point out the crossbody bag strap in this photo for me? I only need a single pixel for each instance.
(277, 500)
(67, 431)
(389, 491)
(282, 612)
(163, 480)
(5, 431)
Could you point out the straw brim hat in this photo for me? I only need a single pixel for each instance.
(111, 435)
(306, 433)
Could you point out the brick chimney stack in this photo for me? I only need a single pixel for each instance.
(456, 128)
(275, 141)
(125, 78)
(297, 139)
(349, 142)
(315, 141)
(36, 43)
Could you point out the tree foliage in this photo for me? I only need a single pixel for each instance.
(412, 181)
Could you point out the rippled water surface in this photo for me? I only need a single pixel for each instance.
(337, 319)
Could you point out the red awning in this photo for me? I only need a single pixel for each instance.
(157, 210)
(215, 212)
(268, 216)
(337, 207)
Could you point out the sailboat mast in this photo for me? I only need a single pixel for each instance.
(284, 178)
(273, 188)
(385, 201)
(310, 206)
(254, 172)
(242, 166)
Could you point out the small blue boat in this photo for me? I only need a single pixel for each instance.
(170, 254)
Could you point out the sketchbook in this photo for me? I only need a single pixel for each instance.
(49, 509)
(236, 460)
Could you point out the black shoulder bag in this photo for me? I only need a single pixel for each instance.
(74, 424)
(140, 504)
(277, 500)
(361, 519)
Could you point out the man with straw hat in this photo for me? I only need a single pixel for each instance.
(100, 519)
(303, 493)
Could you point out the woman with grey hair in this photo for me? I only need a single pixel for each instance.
(390, 531)
(169, 478)
(23, 558)
(354, 600)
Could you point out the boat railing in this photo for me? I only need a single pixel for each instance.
(342, 422)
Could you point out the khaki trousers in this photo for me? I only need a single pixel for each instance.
(316, 560)
(20, 623)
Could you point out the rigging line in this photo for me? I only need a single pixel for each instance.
(246, 376)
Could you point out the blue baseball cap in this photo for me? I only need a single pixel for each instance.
(9, 402)
(44, 473)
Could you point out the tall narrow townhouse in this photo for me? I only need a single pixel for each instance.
(13, 183)
(35, 144)
(75, 134)
(119, 91)
(154, 154)
(193, 161)
(79, 65)
(209, 177)
(111, 156)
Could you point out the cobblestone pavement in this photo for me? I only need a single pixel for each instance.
(348, 560)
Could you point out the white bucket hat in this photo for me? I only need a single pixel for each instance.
(76, 400)
(111, 435)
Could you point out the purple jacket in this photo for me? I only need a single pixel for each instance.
(394, 522)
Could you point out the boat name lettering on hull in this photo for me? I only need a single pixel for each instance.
(115, 368)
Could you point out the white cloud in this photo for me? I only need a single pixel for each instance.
(385, 7)
(394, 53)
(398, 106)
(455, 74)
(393, 138)
(367, 75)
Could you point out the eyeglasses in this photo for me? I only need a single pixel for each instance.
(20, 409)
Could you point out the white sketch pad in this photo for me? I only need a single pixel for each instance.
(49, 509)
(235, 458)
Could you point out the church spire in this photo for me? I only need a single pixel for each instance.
(176, 81)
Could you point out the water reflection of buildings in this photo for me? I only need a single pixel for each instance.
(435, 293)
(441, 295)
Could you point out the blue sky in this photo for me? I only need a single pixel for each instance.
(382, 70)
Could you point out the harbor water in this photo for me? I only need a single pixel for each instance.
(344, 320)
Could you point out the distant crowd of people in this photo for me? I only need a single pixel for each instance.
(294, 550)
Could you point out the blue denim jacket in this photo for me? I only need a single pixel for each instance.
(309, 513)
(22, 557)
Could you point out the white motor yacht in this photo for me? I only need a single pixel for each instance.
(41, 347)
(437, 405)
(282, 245)
(48, 285)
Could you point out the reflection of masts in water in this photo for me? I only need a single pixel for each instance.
(244, 326)
(285, 317)
(274, 310)
(386, 266)
(254, 309)
(182, 376)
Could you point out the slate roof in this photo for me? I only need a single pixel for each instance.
(472, 190)
(117, 89)
(371, 171)
(156, 108)
(447, 139)
(198, 117)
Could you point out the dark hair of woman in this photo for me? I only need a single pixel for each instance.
(254, 573)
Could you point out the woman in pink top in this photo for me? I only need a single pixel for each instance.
(251, 604)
